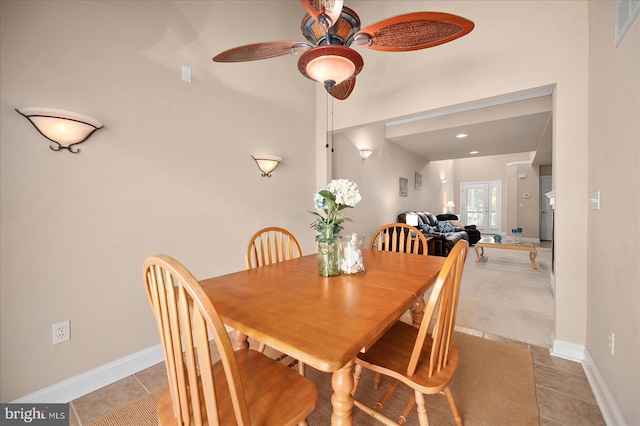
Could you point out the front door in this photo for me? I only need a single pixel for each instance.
(481, 205)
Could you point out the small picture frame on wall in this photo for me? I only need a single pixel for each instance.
(404, 186)
(418, 181)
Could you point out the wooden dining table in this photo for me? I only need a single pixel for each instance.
(323, 321)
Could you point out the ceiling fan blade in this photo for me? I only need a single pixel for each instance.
(253, 52)
(413, 31)
(343, 90)
(330, 8)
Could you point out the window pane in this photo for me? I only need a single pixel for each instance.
(475, 200)
(494, 198)
(475, 219)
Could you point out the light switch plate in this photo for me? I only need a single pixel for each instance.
(186, 74)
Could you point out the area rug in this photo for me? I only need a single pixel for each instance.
(141, 412)
(493, 385)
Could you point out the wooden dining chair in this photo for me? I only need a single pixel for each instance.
(271, 245)
(399, 237)
(243, 387)
(424, 358)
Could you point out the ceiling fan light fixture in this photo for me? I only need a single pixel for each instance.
(330, 65)
(330, 70)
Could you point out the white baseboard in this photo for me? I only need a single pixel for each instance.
(608, 406)
(567, 350)
(85, 383)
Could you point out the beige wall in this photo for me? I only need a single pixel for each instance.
(440, 193)
(170, 172)
(614, 164)
(527, 183)
(378, 178)
(506, 169)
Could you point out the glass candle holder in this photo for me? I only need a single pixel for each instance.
(351, 254)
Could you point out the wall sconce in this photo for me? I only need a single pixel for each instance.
(365, 153)
(65, 128)
(443, 181)
(266, 163)
(450, 207)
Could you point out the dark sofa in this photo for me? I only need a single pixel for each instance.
(444, 241)
(472, 232)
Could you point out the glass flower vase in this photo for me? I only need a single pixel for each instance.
(329, 258)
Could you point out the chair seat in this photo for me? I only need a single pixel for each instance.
(390, 356)
(289, 392)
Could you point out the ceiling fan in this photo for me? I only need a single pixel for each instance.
(331, 29)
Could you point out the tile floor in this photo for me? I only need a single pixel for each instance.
(563, 392)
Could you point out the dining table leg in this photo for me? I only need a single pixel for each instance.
(342, 400)
(240, 341)
(417, 311)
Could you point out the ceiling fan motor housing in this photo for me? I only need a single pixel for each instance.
(341, 32)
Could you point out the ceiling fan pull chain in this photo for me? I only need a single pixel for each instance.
(327, 145)
(331, 122)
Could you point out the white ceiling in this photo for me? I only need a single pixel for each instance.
(499, 126)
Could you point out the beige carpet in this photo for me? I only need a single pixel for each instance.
(494, 385)
(504, 296)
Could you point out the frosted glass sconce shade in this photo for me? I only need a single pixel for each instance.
(65, 128)
(365, 153)
(266, 163)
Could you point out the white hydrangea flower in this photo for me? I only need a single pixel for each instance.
(343, 193)
(346, 192)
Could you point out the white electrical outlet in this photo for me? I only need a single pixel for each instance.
(61, 332)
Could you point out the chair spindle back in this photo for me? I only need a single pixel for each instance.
(186, 318)
(271, 245)
(399, 237)
(441, 307)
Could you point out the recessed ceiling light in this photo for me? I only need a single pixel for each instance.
(473, 152)
(461, 135)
